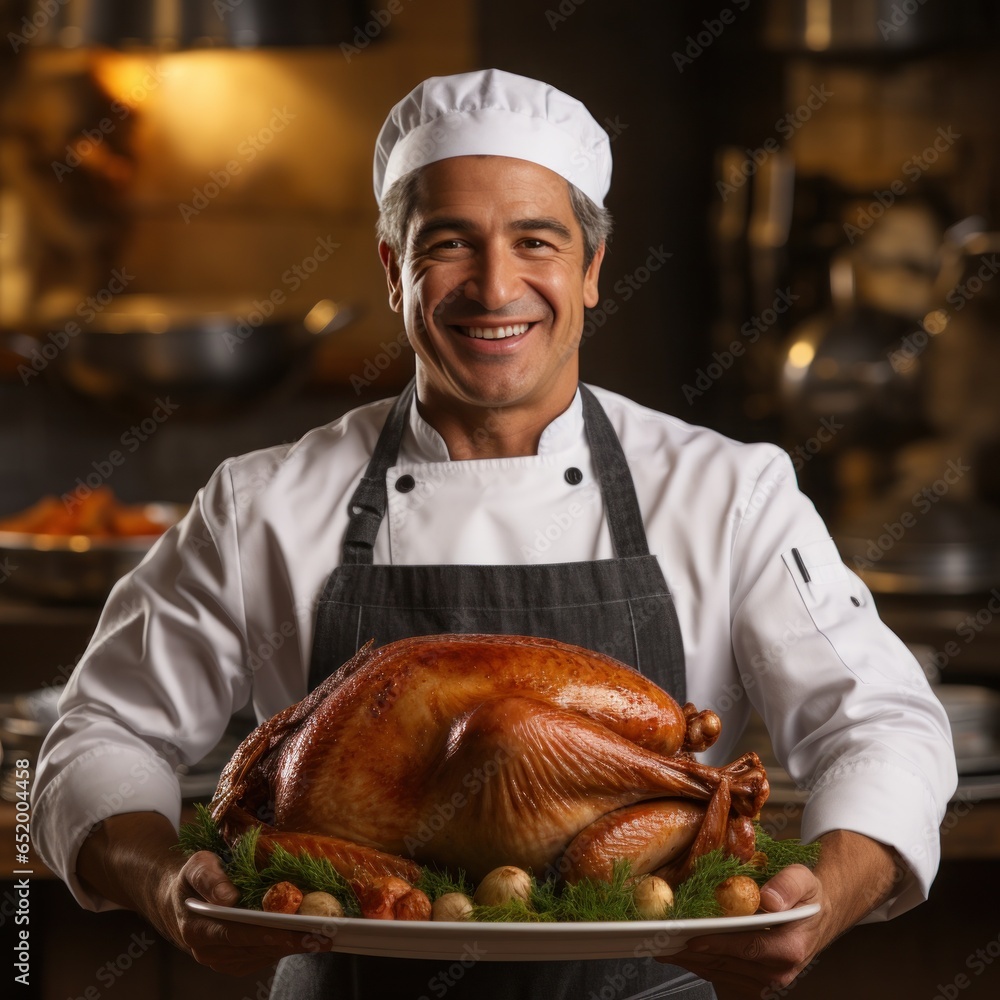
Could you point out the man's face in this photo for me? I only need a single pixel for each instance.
(492, 288)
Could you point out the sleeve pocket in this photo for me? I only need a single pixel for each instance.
(838, 602)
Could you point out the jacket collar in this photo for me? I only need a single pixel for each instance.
(421, 443)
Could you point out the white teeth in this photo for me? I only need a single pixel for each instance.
(496, 332)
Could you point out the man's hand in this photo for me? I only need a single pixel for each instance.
(854, 875)
(130, 860)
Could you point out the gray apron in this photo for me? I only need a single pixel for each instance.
(618, 606)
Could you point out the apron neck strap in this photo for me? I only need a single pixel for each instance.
(370, 501)
(615, 479)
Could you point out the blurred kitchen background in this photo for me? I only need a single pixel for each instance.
(188, 271)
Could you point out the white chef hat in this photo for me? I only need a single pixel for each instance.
(497, 113)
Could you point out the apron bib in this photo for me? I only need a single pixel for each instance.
(621, 607)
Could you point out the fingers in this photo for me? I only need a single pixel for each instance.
(227, 946)
(204, 874)
(239, 949)
(765, 958)
(792, 886)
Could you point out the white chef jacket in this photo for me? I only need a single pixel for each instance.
(221, 612)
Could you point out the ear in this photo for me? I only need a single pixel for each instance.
(591, 295)
(392, 276)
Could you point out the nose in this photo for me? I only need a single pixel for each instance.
(495, 280)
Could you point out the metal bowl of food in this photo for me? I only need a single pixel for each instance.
(54, 552)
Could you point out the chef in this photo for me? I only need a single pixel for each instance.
(497, 493)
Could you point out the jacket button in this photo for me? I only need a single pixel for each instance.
(405, 483)
(573, 475)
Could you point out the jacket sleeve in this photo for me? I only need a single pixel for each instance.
(850, 714)
(155, 688)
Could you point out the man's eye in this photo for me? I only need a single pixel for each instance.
(531, 243)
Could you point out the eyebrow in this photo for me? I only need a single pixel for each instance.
(461, 225)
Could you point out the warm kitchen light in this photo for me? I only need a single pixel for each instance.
(800, 354)
(129, 79)
(936, 321)
(818, 25)
(321, 315)
(212, 105)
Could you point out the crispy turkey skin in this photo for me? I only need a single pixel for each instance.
(472, 751)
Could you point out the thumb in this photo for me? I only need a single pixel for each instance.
(791, 887)
(205, 875)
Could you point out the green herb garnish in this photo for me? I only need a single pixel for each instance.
(437, 883)
(202, 834)
(782, 853)
(551, 901)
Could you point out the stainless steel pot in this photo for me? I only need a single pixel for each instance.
(209, 357)
(841, 364)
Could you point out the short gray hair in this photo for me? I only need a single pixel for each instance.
(399, 203)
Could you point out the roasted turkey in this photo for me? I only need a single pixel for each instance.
(473, 751)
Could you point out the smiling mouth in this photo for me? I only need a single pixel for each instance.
(494, 332)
